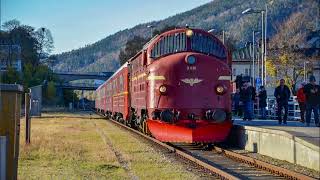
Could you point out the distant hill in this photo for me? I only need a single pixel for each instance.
(219, 14)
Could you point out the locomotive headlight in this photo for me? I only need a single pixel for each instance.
(189, 32)
(163, 89)
(191, 60)
(220, 89)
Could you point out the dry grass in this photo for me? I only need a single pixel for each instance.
(145, 161)
(68, 146)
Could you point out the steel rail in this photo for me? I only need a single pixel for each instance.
(263, 165)
(220, 173)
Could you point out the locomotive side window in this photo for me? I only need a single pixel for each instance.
(169, 44)
(207, 45)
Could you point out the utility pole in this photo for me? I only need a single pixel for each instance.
(223, 37)
(262, 46)
(151, 29)
(265, 45)
(263, 39)
(27, 116)
(253, 59)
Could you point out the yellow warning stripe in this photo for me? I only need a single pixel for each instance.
(138, 76)
(152, 77)
(122, 93)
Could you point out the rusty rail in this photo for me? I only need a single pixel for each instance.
(220, 173)
(263, 165)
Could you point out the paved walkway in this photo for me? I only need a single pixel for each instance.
(310, 134)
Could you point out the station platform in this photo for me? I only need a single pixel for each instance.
(293, 142)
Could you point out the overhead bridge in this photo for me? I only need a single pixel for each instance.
(71, 76)
(77, 86)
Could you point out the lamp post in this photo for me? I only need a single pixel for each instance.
(151, 28)
(214, 31)
(253, 57)
(304, 71)
(263, 38)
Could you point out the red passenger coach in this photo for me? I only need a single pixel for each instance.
(112, 96)
(177, 88)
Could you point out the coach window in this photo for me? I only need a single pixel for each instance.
(121, 83)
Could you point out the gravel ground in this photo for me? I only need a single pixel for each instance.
(280, 163)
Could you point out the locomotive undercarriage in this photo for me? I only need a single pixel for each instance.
(134, 120)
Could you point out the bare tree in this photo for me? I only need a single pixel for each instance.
(10, 25)
(45, 41)
(287, 55)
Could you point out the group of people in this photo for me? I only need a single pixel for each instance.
(244, 101)
(308, 97)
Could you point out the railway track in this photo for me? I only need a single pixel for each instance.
(223, 163)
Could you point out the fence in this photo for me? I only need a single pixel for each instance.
(293, 108)
(10, 107)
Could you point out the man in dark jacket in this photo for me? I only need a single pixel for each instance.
(262, 101)
(246, 97)
(236, 103)
(282, 94)
(311, 91)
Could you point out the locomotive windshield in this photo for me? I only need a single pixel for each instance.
(170, 44)
(177, 42)
(207, 45)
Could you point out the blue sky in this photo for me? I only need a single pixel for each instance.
(75, 23)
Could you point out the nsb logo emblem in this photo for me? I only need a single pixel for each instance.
(191, 81)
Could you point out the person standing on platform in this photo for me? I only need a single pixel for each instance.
(282, 94)
(246, 96)
(301, 97)
(236, 103)
(311, 91)
(262, 102)
(253, 97)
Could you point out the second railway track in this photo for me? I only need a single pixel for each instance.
(223, 163)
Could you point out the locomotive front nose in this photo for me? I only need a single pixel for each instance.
(190, 83)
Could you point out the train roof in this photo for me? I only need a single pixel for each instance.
(115, 73)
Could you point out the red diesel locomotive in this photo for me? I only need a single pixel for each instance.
(177, 88)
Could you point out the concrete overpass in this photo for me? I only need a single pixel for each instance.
(71, 76)
(77, 86)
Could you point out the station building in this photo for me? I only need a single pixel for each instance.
(10, 56)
